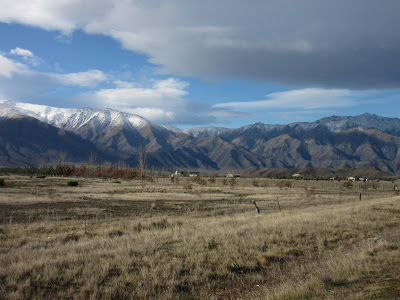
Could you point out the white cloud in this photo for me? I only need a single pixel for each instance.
(8, 67)
(21, 52)
(14, 75)
(302, 99)
(159, 93)
(295, 42)
(88, 78)
(63, 15)
(154, 114)
(27, 55)
(161, 101)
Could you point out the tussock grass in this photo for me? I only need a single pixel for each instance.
(214, 246)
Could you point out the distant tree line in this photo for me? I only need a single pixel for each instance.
(107, 170)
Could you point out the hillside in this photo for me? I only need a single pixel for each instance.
(26, 141)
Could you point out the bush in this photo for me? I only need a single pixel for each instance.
(2, 182)
(72, 183)
(347, 184)
(283, 183)
(200, 181)
(160, 224)
(211, 180)
(187, 185)
(311, 192)
(115, 233)
(71, 237)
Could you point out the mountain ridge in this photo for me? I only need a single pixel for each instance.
(334, 142)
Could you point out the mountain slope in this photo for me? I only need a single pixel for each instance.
(116, 131)
(27, 141)
(207, 153)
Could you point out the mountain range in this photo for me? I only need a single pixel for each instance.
(30, 134)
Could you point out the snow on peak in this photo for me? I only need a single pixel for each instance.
(72, 119)
(205, 131)
(102, 118)
(364, 121)
(47, 114)
(173, 128)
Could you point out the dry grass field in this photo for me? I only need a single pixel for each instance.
(108, 239)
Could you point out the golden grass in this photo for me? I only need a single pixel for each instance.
(159, 240)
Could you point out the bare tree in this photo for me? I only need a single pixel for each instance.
(142, 157)
(62, 156)
(92, 159)
(42, 162)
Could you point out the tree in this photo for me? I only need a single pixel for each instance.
(142, 157)
(92, 161)
(62, 157)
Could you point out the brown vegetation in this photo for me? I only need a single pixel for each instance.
(283, 184)
(347, 184)
(165, 240)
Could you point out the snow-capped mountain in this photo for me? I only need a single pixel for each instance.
(205, 131)
(47, 114)
(333, 124)
(364, 121)
(110, 130)
(173, 128)
(31, 132)
(102, 119)
(73, 119)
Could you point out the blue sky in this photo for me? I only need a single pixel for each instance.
(191, 63)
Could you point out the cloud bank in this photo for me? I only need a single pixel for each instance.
(334, 44)
(302, 99)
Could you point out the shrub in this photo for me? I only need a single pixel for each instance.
(115, 233)
(233, 182)
(211, 180)
(2, 182)
(160, 224)
(311, 192)
(187, 185)
(347, 184)
(212, 244)
(283, 183)
(72, 183)
(200, 181)
(71, 237)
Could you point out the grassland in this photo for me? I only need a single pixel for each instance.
(108, 239)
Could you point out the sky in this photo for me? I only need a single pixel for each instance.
(188, 63)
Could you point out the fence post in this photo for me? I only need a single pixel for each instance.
(279, 206)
